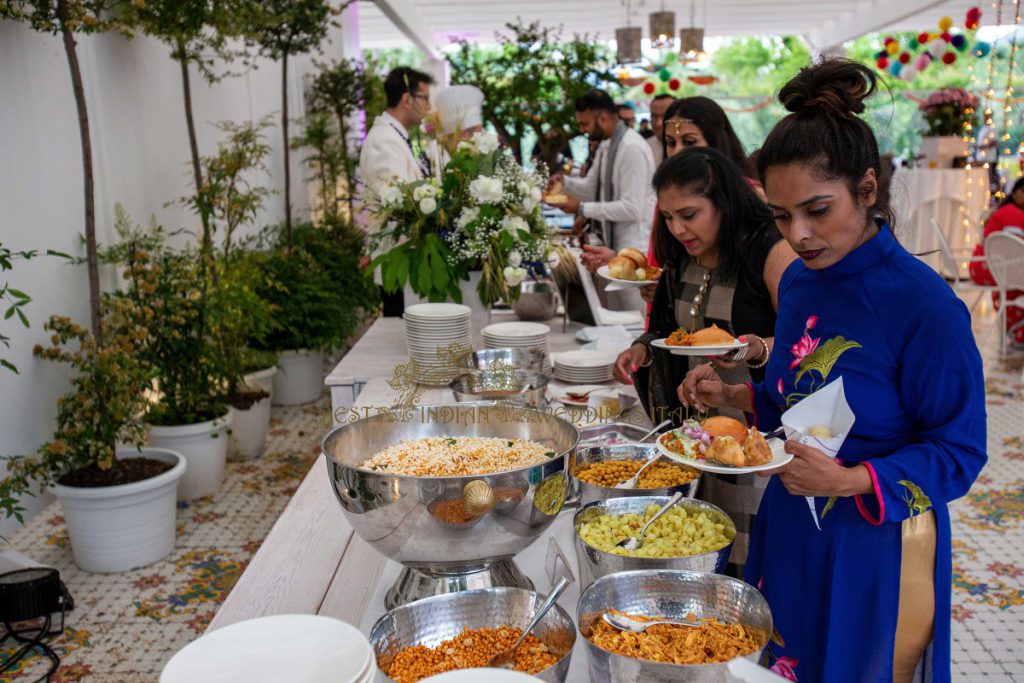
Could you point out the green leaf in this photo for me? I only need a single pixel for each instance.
(10, 313)
(9, 366)
(828, 506)
(916, 500)
(22, 318)
(824, 357)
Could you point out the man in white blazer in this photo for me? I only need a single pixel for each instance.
(387, 154)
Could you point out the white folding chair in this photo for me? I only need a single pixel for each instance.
(602, 315)
(1004, 251)
(947, 212)
(954, 262)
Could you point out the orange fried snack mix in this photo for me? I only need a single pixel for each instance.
(711, 642)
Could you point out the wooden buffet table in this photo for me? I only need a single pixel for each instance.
(313, 563)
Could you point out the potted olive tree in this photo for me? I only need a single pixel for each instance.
(119, 504)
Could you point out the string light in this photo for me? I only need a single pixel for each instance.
(1008, 110)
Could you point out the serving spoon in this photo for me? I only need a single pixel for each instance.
(624, 623)
(632, 481)
(506, 659)
(634, 542)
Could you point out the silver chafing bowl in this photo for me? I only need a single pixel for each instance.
(403, 517)
(490, 360)
(595, 563)
(669, 593)
(520, 387)
(431, 621)
(588, 493)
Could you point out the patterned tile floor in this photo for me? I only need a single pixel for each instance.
(126, 626)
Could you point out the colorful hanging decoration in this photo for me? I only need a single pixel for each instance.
(906, 61)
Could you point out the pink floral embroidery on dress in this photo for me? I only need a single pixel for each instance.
(785, 667)
(806, 345)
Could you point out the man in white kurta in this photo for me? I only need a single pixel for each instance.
(387, 154)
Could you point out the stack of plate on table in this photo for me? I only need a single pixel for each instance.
(519, 335)
(299, 648)
(433, 333)
(585, 367)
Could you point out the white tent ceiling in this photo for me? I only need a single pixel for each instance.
(431, 24)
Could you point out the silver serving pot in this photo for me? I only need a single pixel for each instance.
(519, 387)
(433, 620)
(586, 493)
(669, 593)
(499, 359)
(537, 300)
(596, 563)
(404, 518)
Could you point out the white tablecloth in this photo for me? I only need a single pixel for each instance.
(949, 196)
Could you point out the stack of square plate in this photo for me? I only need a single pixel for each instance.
(519, 335)
(433, 332)
(585, 367)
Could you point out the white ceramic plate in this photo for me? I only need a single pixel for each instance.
(478, 675)
(301, 648)
(706, 350)
(603, 272)
(779, 458)
(561, 394)
(516, 330)
(584, 360)
(433, 311)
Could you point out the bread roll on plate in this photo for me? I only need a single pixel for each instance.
(622, 268)
(635, 255)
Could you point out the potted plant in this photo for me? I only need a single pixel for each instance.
(171, 293)
(119, 505)
(948, 114)
(319, 296)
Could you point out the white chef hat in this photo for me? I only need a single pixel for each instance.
(459, 107)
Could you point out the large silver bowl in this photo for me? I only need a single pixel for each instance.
(536, 300)
(399, 515)
(433, 620)
(501, 359)
(586, 493)
(596, 563)
(673, 594)
(520, 387)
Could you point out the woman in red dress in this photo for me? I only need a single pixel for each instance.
(1009, 216)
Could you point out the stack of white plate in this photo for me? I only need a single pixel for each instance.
(519, 335)
(584, 366)
(299, 648)
(430, 328)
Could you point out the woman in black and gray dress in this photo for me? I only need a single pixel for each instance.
(723, 259)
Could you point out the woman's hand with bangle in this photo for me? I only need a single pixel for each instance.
(752, 354)
(629, 361)
(703, 389)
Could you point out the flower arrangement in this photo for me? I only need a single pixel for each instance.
(947, 110)
(484, 212)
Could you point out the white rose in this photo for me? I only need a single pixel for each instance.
(535, 194)
(514, 259)
(467, 216)
(513, 276)
(487, 190)
(391, 197)
(523, 187)
(428, 205)
(514, 224)
(424, 191)
(485, 142)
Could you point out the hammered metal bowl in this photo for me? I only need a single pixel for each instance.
(674, 594)
(432, 620)
(588, 493)
(595, 563)
(490, 360)
(520, 387)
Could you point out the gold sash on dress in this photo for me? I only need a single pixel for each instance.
(916, 620)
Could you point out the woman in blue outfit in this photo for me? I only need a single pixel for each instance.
(867, 598)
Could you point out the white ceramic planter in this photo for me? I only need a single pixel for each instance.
(299, 378)
(249, 430)
(264, 379)
(205, 447)
(117, 528)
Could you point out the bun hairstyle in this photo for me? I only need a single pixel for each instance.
(824, 129)
(744, 219)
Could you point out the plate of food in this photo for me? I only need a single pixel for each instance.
(711, 341)
(723, 445)
(630, 269)
(555, 194)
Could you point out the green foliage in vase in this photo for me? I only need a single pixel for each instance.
(104, 407)
(13, 299)
(530, 81)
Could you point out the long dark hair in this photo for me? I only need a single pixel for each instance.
(824, 130)
(714, 125)
(1009, 195)
(707, 172)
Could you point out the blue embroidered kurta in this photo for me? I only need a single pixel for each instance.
(902, 342)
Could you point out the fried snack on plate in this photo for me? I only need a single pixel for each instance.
(756, 450)
(727, 451)
(720, 425)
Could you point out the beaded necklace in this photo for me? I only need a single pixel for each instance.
(700, 299)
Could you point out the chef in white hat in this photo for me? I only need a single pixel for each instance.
(460, 108)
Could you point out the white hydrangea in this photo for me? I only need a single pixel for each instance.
(535, 194)
(391, 197)
(513, 276)
(514, 224)
(514, 259)
(485, 142)
(487, 190)
(428, 205)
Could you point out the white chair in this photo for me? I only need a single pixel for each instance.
(1004, 251)
(602, 315)
(920, 235)
(953, 261)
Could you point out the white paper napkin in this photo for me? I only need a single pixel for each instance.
(827, 407)
(595, 333)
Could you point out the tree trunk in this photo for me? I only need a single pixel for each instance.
(287, 159)
(197, 171)
(91, 254)
(350, 179)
